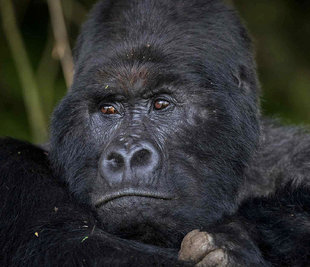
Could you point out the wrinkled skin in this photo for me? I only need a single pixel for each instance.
(159, 136)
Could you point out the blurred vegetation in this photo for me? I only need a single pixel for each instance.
(281, 33)
(280, 30)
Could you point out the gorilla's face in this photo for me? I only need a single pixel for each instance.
(155, 134)
(147, 143)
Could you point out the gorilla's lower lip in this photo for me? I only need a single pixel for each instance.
(132, 192)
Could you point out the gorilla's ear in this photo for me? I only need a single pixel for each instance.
(245, 80)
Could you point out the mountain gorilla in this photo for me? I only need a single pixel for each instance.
(160, 136)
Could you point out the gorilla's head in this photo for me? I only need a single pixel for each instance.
(162, 117)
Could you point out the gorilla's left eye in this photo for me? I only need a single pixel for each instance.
(160, 104)
(109, 110)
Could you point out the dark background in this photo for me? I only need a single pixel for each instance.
(280, 30)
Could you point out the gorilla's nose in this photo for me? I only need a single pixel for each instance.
(119, 163)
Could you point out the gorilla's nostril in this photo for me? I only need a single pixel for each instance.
(115, 161)
(137, 162)
(141, 158)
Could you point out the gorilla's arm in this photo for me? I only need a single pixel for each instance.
(41, 225)
(266, 231)
(280, 225)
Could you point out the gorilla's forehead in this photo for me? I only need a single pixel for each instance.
(134, 72)
(192, 36)
(149, 62)
(135, 79)
(128, 71)
(192, 48)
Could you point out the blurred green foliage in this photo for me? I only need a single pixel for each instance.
(280, 30)
(281, 33)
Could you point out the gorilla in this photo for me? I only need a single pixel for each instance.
(158, 155)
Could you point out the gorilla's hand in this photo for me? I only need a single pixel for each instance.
(199, 248)
(227, 245)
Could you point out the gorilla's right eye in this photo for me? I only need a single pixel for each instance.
(161, 104)
(109, 110)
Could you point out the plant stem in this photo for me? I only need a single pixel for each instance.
(61, 37)
(30, 89)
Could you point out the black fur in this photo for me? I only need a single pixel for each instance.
(281, 223)
(216, 165)
(42, 225)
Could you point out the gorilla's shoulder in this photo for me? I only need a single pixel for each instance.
(17, 150)
(283, 157)
(285, 143)
(19, 159)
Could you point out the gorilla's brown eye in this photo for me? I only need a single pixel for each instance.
(108, 110)
(161, 104)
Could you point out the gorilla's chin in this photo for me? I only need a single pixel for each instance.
(144, 219)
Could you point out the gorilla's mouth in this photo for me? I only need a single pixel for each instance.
(132, 193)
